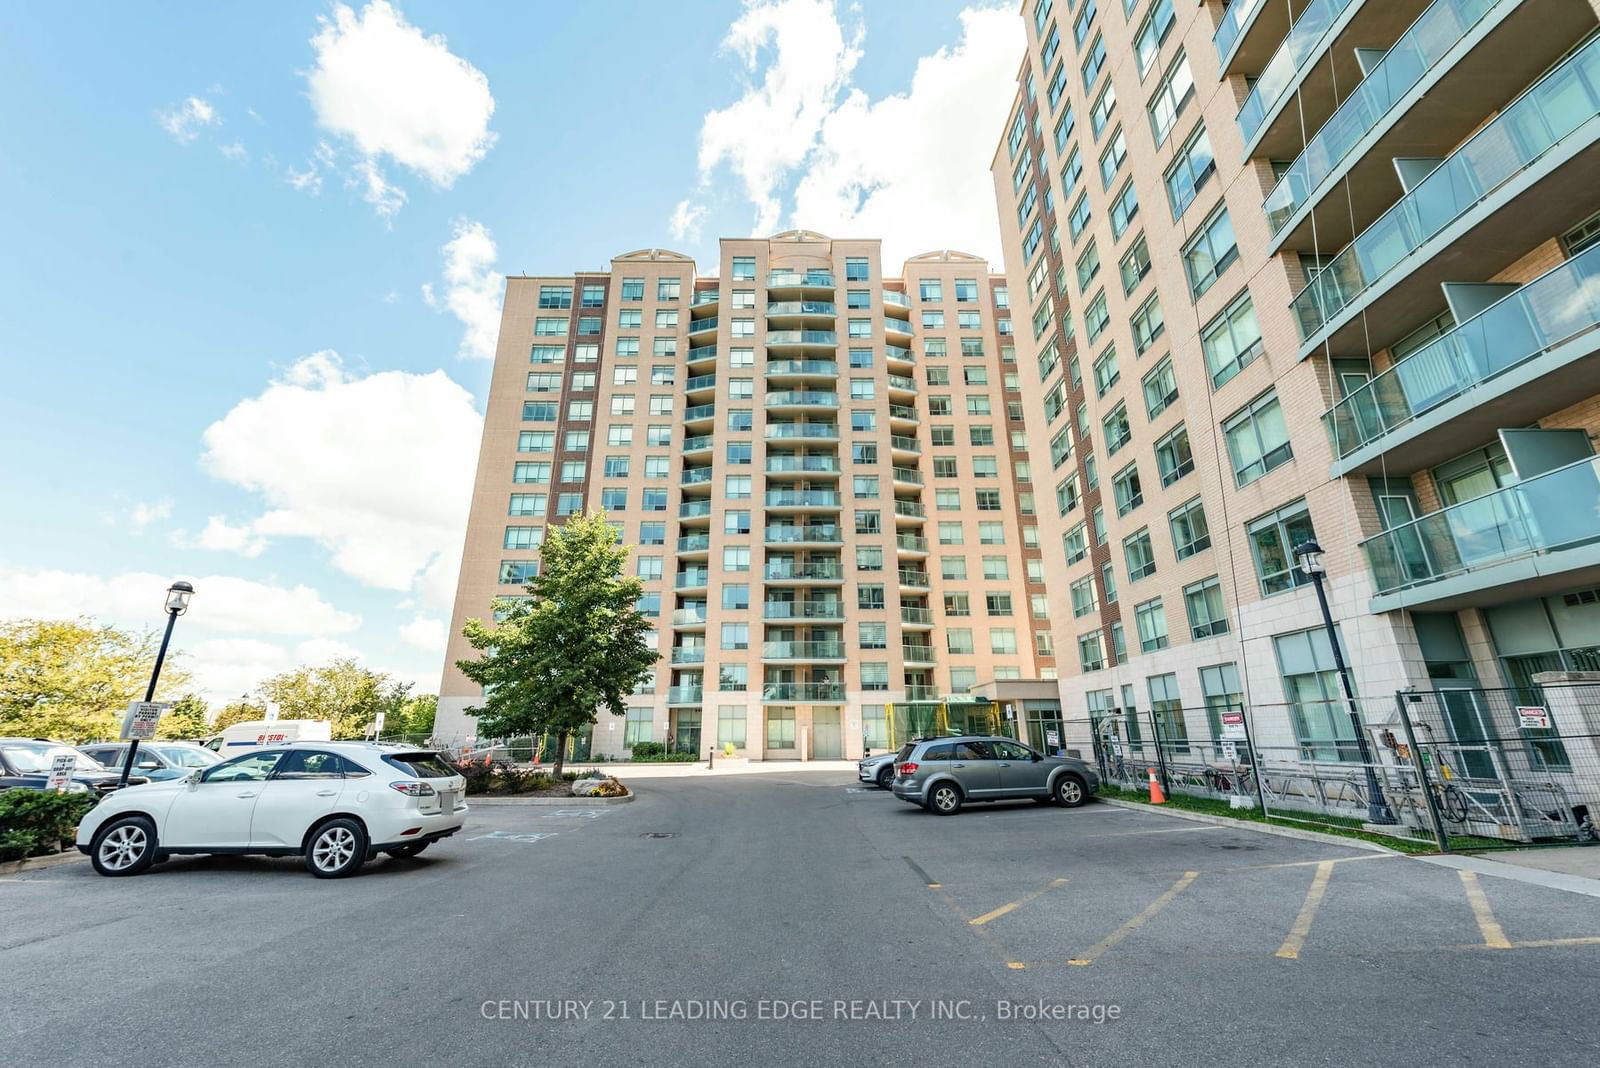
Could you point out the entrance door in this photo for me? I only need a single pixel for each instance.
(826, 737)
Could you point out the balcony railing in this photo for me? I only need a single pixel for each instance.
(1559, 105)
(914, 509)
(705, 296)
(914, 577)
(699, 382)
(915, 692)
(790, 464)
(907, 474)
(694, 543)
(688, 617)
(910, 614)
(684, 580)
(815, 431)
(802, 650)
(801, 307)
(802, 691)
(694, 509)
(1556, 510)
(783, 571)
(1235, 20)
(802, 610)
(1302, 42)
(802, 499)
(903, 411)
(1554, 308)
(902, 382)
(700, 326)
(802, 337)
(1428, 40)
(899, 352)
(904, 443)
(896, 300)
(699, 411)
(820, 368)
(685, 695)
(703, 352)
(685, 654)
(696, 476)
(897, 326)
(917, 654)
(698, 442)
(822, 534)
(911, 543)
(780, 279)
(802, 398)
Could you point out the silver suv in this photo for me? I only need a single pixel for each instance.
(942, 774)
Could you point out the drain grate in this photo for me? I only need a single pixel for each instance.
(659, 834)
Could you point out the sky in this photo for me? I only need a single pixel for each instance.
(255, 257)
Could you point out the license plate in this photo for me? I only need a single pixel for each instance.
(447, 802)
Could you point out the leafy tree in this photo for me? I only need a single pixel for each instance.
(577, 644)
(72, 680)
(240, 711)
(343, 691)
(188, 718)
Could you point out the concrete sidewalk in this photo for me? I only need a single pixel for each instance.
(1572, 868)
(655, 770)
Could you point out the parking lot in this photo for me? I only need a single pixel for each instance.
(850, 927)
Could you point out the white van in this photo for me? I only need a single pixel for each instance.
(242, 736)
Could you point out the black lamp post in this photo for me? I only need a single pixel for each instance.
(1309, 556)
(178, 596)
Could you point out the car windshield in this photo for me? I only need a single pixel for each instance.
(189, 758)
(36, 759)
(420, 765)
(905, 751)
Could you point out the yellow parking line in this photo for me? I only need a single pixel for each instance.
(1137, 922)
(1546, 943)
(1494, 936)
(995, 914)
(1290, 950)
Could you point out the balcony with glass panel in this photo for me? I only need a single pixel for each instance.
(1525, 175)
(788, 692)
(802, 534)
(695, 579)
(901, 384)
(781, 282)
(920, 691)
(905, 476)
(1536, 537)
(915, 578)
(701, 326)
(904, 443)
(694, 544)
(899, 354)
(685, 695)
(1458, 63)
(829, 610)
(904, 413)
(704, 297)
(801, 466)
(914, 653)
(1247, 31)
(781, 369)
(699, 414)
(705, 354)
(801, 500)
(696, 476)
(800, 310)
(827, 571)
(909, 509)
(893, 299)
(699, 384)
(698, 444)
(801, 432)
(801, 398)
(689, 654)
(811, 651)
(911, 545)
(695, 509)
(902, 327)
(802, 339)
(690, 617)
(1517, 360)
(915, 618)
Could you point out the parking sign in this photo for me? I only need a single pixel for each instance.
(141, 719)
(61, 767)
(1233, 725)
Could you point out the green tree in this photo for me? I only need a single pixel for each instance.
(576, 645)
(240, 711)
(72, 679)
(343, 691)
(188, 718)
(420, 712)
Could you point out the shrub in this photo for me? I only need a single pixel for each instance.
(728, 749)
(477, 774)
(646, 750)
(34, 822)
(594, 773)
(668, 758)
(610, 788)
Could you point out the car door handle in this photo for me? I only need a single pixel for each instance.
(248, 793)
(958, 765)
(326, 793)
(1004, 765)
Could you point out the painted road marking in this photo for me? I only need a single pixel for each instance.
(575, 813)
(1159, 830)
(514, 836)
(1290, 950)
(926, 878)
(995, 914)
(1137, 922)
(1494, 936)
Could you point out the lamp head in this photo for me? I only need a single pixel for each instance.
(1309, 556)
(178, 597)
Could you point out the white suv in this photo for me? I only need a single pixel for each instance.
(338, 804)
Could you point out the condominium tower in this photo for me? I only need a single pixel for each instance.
(1289, 270)
(820, 470)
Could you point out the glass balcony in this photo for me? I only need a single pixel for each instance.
(801, 307)
(831, 610)
(802, 691)
(916, 692)
(783, 279)
(819, 368)
(704, 352)
(1429, 39)
(1557, 306)
(705, 296)
(685, 695)
(694, 543)
(900, 353)
(687, 580)
(1303, 41)
(1556, 107)
(685, 654)
(903, 383)
(699, 382)
(917, 654)
(696, 476)
(699, 442)
(1235, 19)
(699, 411)
(914, 509)
(817, 533)
(688, 617)
(802, 650)
(694, 509)
(785, 571)
(904, 411)
(897, 326)
(814, 431)
(904, 443)
(802, 398)
(918, 616)
(914, 578)
(909, 475)
(778, 338)
(896, 300)
(827, 465)
(911, 543)
(1556, 510)
(802, 499)
(701, 326)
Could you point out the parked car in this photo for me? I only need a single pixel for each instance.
(250, 733)
(942, 774)
(156, 761)
(877, 769)
(25, 765)
(337, 804)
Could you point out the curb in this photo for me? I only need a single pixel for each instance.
(51, 860)
(1247, 825)
(1553, 880)
(556, 802)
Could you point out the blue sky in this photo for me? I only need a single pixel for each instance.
(255, 256)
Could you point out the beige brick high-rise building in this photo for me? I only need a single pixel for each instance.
(821, 470)
(1295, 269)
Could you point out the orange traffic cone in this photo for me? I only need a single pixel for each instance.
(1156, 796)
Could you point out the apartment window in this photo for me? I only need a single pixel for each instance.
(1082, 594)
(1097, 524)
(1172, 94)
(985, 467)
(547, 354)
(953, 567)
(1231, 340)
(987, 500)
(1124, 209)
(652, 533)
(869, 595)
(1151, 32)
(655, 500)
(555, 296)
(997, 604)
(1210, 252)
(1203, 601)
(1117, 429)
(1190, 531)
(1190, 169)
(668, 289)
(1116, 151)
(585, 353)
(536, 441)
(735, 558)
(869, 558)
(633, 289)
(872, 635)
(1127, 490)
(991, 533)
(958, 640)
(1068, 494)
(736, 522)
(1075, 543)
(1002, 640)
(1088, 265)
(1104, 106)
(1064, 127)
(942, 435)
(865, 486)
(1077, 220)
(550, 326)
(617, 467)
(1321, 719)
(588, 325)
(1057, 86)
(737, 487)
(957, 605)
(524, 537)
(527, 471)
(980, 435)
(1105, 371)
(1094, 62)
(969, 320)
(658, 436)
(664, 346)
(1272, 543)
(569, 504)
(526, 504)
(1139, 555)
(995, 569)
(1148, 324)
(1091, 651)
(1108, 582)
(1150, 619)
(626, 347)
(518, 572)
(1258, 439)
(947, 500)
(576, 441)
(1160, 388)
(741, 419)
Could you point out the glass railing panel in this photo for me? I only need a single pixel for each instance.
(1304, 40)
(1235, 20)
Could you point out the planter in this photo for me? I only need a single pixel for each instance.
(514, 800)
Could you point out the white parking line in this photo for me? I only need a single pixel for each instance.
(514, 836)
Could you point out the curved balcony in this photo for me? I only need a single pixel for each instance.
(921, 618)
(789, 309)
(1303, 41)
(694, 543)
(904, 413)
(896, 300)
(811, 651)
(1551, 320)
(1533, 537)
(822, 571)
(786, 692)
(806, 431)
(904, 443)
(909, 509)
(897, 326)
(1559, 107)
(698, 509)
(696, 476)
(703, 297)
(814, 534)
(912, 578)
(689, 617)
(699, 413)
(911, 544)
(702, 326)
(801, 398)
(685, 695)
(801, 500)
(700, 384)
(902, 384)
(824, 610)
(699, 443)
(899, 354)
(687, 654)
(691, 580)
(701, 354)
(906, 476)
(788, 339)
(800, 280)
(802, 465)
(917, 654)
(801, 369)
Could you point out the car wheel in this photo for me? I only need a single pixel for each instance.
(336, 849)
(124, 847)
(409, 850)
(944, 799)
(885, 777)
(1070, 791)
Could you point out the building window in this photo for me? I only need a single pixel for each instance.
(1219, 684)
(1091, 651)
(1273, 539)
(1203, 600)
(1160, 388)
(1105, 105)
(1150, 618)
(555, 296)
(1148, 324)
(1258, 439)
(1088, 265)
(1127, 489)
(523, 537)
(1321, 718)
(1190, 531)
(1075, 543)
(1190, 169)
(1117, 429)
(1172, 94)
(1111, 158)
(1124, 209)
(872, 635)
(1211, 251)
(1231, 340)
(1083, 599)
(1152, 31)
(1139, 555)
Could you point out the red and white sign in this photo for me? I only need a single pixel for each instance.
(62, 766)
(1233, 725)
(141, 719)
(1533, 717)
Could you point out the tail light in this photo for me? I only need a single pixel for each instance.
(908, 768)
(412, 789)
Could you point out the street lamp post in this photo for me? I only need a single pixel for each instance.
(1309, 556)
(178, 597)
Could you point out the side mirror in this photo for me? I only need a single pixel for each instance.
(1037, 758)
(194, 776)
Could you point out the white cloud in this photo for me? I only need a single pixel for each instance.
(143, 514)
(686, 220)
(392, 91)
(472, 288)
(235, 151)
(222, 536)
(426, 633)
(376, 468)
(911, 168)
(185, 121)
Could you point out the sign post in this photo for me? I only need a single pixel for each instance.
(139, 722)
(377, 726)
(61, 768)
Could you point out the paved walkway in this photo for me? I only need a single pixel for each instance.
(652, 770)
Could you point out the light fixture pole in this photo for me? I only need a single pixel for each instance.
(178, 596)
(1309, 556)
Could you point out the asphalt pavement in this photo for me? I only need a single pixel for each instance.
(802, 918)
